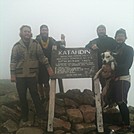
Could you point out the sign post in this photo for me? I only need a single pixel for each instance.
(98, 106)
(51, 105)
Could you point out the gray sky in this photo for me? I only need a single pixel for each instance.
(77, 19)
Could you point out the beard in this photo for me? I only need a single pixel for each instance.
(26, 39)
(44, 37)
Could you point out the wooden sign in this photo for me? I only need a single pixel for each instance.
(74, 63)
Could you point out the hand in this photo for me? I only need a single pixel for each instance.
(13, 78)
(50, 71)
(62, 37)
(94, 47)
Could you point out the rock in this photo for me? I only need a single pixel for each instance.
(88, 113)
(131, 109)
(61, 124)
(59, 132)
(88, 97)
(9, 113)
(75, 115)
(75, 95)
(132, 119)
(59, 110)
(9, 98)
(30, 130)
(10, 125)
(6, 86)
(65, 118)
(60, 95)
(84, 128)
(59, 102)
(70, 103)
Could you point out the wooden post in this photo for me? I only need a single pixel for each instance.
(51, 105)
(98, 106)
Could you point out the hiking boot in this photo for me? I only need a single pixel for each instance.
(124, 129)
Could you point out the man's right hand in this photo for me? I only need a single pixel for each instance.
(94, 47)
(13, 78)
(50, 71)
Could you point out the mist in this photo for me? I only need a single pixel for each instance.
(77, 19)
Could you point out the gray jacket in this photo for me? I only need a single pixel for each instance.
(25, 59)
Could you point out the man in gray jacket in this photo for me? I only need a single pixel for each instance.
(25, 57)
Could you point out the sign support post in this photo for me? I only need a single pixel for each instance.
(51, 105)
(98, 106)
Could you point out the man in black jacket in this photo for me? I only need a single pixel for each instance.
(124, 61)
(46, 44)
(101, 44)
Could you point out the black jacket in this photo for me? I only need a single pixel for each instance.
(124, 59)
(48, 51)
(104, 43)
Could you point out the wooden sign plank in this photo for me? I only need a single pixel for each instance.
(74, 63)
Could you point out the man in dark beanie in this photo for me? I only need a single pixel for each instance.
(46, 44)
(121, 31)
(122, 75)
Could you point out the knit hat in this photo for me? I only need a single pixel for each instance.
(121, 31)
(42, 26)
(101, 26)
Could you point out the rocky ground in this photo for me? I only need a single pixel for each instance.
(74, 114)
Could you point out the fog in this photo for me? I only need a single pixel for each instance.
(77, 19)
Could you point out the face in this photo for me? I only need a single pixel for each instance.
(101, 31)
(26, 34)
(107, 57)
(44, 31)
(120, 38)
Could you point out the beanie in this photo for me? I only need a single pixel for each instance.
(121, 31)
(42, 26)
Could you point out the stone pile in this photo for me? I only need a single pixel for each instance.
(75, 113)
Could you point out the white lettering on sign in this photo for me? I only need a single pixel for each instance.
(73, 52)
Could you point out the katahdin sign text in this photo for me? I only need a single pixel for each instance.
(74, 63)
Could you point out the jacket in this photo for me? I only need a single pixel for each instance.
(48, 50)
(104, 43)
(124, 59)
(25, 59)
